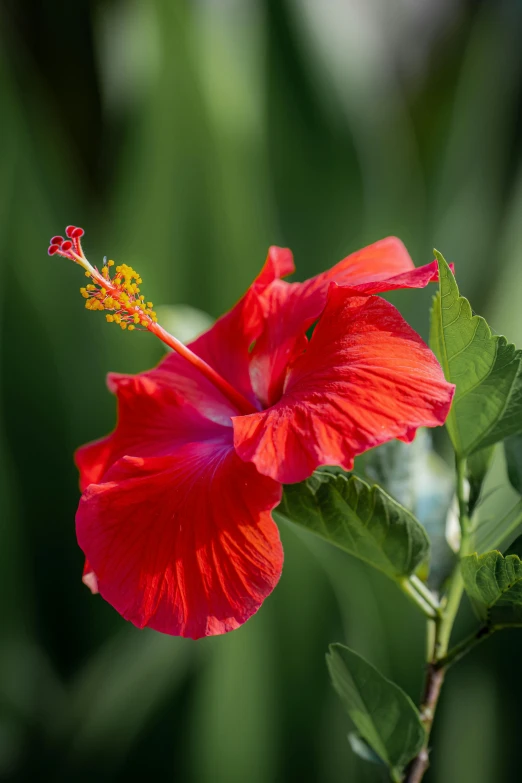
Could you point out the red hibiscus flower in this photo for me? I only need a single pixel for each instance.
(175, 517)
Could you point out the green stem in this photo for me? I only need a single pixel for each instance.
(456, 585)
(462, 648)
(451, 607)
(441, 633)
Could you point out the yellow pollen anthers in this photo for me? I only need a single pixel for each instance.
(120, 295)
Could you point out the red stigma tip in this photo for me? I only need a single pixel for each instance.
(53, 249)
(77, 233)
(56, 240)
(66, 246)
(69, 231)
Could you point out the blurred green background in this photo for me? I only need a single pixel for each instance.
(186, 137)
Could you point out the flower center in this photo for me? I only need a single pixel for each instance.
(119, 295)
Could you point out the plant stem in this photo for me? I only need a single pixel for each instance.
(428, 607)
(451, 607)
(462, 648)
(432, 687)
(441, 633)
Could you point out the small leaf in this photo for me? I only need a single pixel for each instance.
(486, 369)
(383, 714)
(364, 521)
(513, 451)
(494, 583)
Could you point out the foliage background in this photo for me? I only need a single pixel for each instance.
(186, 137)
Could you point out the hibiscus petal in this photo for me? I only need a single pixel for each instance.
(419, 277)
(183, 544)
(291, 308)
(386, 258)
(289, 313)
(226, 345)
(154, 419)
(365, 378)
(92, 460)
(279, 263)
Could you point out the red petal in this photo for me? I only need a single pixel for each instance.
(289, 313)
(415, 278)
(379, 261)
(365, 378)
(93, 460)
(292, 307)
(226, 345)
(183, 544)
(153, 420)
(279, 263)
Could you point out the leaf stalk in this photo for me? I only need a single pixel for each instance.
(421, 596)
(465, 646)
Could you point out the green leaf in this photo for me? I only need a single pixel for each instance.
(362, 520)
(494, 583)
(513, 451)
(486, 369)
(383, 714)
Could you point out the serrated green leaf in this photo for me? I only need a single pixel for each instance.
(364, 521)
(494, 583)
(486, 369)
(383, 714)
(513, 451)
